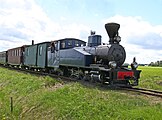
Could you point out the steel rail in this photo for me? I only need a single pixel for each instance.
(144, 91)
(41, 73)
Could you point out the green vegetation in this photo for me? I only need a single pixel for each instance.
(38, 98)
(151, 77)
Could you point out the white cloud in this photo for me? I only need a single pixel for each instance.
(23, 20)
(74, 31)
(140, 38)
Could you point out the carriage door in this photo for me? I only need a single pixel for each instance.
(57, 54)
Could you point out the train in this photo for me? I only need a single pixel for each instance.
(71, 57)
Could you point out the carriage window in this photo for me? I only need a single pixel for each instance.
(12, 53)
(19, 52)
(15, 52)
(40, 50)
(27, 51)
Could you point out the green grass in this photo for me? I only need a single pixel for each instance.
(46, 98)
(151, 77)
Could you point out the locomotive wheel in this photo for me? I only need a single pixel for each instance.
(86, 77)
(77, 74)
(63, 71)
(60, 72)
(92, 80)
(103, 78)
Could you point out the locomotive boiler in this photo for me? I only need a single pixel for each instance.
(111, 53)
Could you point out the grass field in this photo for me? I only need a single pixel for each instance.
(36, 98)
(151, 77)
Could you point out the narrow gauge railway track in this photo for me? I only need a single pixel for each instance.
(59, 77)
(145, 91)
(64, 79)
(40, 73)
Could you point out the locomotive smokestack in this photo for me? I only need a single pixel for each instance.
(112, 30)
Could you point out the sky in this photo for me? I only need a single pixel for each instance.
(22, 21)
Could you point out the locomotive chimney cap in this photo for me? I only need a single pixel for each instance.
(112, 29)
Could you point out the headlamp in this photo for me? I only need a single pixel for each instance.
(112, 64)
(134, 65)
(117, 38)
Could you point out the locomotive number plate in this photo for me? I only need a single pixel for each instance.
(122, 75)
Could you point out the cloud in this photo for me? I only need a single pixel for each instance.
(148, 41)
(137, 31)
(11, 33)
(73, 30)
(23, 20)
(139, 37)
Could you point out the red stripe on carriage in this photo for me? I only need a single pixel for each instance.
(122, 75)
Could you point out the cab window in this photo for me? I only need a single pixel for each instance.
(69, 43)
(62, 44)
(76, 43)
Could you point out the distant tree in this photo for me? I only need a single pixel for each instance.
(157, 63)
(160, 63)
(151, 64)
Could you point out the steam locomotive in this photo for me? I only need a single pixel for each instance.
(71, 57)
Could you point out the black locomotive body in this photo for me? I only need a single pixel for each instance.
(94, 62)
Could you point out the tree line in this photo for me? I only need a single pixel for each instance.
(157, 63)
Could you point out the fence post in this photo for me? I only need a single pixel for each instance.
(11, 104)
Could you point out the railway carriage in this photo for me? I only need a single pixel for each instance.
(3, 57)
(30, 56)
(36, 55)
(15, 56)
